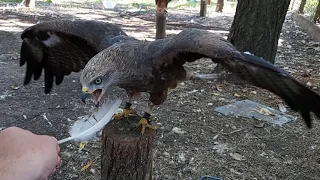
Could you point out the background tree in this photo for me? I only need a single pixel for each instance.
(257, 25)
(30, 3)
(203, 7)
(317, 13)
(161, 18)
(301, 7)
(219, 6)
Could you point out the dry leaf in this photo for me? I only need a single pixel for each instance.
(236, 95)
(236, 156)
(309, 84)
(15, 87)
(265, 111)
(219, 87)
(178, 130)
(282, 108)
(253, 92)
(86, 166)
(82, 145)
(260, 125)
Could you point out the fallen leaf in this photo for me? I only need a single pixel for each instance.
(309, 84)
(282, 108)
(236, 95)
(236, 156)
(260, 125)
(219, 87)
(193, 91)
(82, 145)
(86, 166)
(253, 92)
(15, 87)
(265, 111)
(178, 130)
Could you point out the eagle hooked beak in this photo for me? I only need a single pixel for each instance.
(97, 95)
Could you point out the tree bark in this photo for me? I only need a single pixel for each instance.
(203, 8)
(219, 6)
(317, 14)
(30, 3)
(301, 7)
(161, 18)
(126, 154)
(257, 25)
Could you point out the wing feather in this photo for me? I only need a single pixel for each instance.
(62, 47)
(192, 44)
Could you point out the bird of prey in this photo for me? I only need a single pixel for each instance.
(153, 67)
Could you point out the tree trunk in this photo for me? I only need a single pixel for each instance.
(203, 8)
(301, 7)
(219, 6)
(257, 25)
(317, 14)
(126, 154)
(30, 3)
(161, 18)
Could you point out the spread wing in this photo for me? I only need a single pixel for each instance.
(191, 44)
(63, 46)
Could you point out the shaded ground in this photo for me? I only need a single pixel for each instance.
(268, 151)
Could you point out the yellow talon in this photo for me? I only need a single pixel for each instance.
(145, 124)
(125, 113)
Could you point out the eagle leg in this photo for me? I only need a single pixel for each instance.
(145, 123)
(126, 112)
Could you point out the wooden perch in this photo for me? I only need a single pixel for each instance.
(126, 154)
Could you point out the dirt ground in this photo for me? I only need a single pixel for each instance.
(267, 151)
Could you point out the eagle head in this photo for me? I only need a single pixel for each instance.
(98, 75)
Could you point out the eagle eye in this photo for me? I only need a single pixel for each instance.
(98, 81)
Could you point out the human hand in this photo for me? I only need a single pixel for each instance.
(27, 156)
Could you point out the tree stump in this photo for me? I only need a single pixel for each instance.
(126, 154)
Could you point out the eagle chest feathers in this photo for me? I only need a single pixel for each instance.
(142, 74)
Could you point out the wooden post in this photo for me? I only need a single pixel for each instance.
(161, 18)
(203, 8)
(126, 154)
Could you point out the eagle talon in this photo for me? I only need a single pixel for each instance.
(144, 123)
(126, 112)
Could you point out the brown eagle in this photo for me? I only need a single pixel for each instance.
(109, 57)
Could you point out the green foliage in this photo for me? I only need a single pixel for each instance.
(310, 7)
